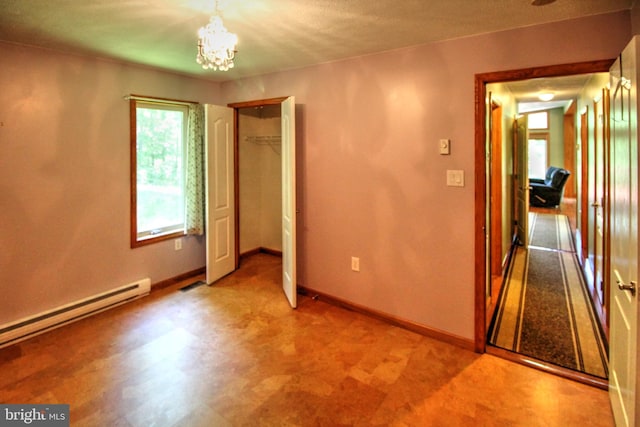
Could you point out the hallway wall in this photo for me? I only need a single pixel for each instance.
(503, 95)
(592, 90)
(556, 137)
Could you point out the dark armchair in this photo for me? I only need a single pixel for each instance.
(548, 192)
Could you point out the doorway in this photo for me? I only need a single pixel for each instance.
(484, 179)
(259, 180)
(284, 146)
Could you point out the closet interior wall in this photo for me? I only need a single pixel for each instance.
(260, 179)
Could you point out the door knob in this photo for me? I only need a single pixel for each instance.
(624, 287)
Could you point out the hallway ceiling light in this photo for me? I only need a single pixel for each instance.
(216, 45)
(546, 96)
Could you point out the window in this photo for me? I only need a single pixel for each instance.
(158, 156)
(538, 146)
(538, 120)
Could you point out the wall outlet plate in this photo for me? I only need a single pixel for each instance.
(445, 146)
(455, 178)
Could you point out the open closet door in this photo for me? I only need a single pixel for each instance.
(289, 200)
(522, 180)
(220, 194)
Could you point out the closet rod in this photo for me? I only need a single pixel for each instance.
(260, 138)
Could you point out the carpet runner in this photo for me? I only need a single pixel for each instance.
(544, 310)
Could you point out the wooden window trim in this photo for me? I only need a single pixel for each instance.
(134, 240)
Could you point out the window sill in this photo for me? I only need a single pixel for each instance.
(137, 242)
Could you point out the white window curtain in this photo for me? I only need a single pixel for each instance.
(195, 199)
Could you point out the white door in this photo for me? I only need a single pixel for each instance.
(220, 194)
(522, 180)
(624, 239)
(289, 200)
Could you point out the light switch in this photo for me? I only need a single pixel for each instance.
(445, 146)
(455, 178)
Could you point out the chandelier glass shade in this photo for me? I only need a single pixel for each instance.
(216, 46)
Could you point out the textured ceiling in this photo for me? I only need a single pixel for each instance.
(273, 34)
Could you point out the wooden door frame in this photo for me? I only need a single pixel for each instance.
(602, 137)
(584, 183)
(236, 147)
(607, 212)
(480, 176)
(496, 189)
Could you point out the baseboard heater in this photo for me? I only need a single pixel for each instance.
(31, 326)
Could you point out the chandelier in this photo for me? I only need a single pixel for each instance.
(216, 45)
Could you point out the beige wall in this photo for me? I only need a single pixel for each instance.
(372, 183)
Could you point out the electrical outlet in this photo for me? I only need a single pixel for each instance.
(177, 244)
(355, 263)
(455, 178)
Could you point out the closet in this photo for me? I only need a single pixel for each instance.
(260, 179)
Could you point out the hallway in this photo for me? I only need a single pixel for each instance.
(546, 281)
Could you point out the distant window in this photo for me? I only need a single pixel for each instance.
(538, 146)
(158, 171)
(538, 120)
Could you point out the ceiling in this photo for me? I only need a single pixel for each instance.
(564, 90)
(274, 35)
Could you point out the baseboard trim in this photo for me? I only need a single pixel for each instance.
(392, 320)
(179, 278)
(250, 252)
(273, 252)
(261, 250)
